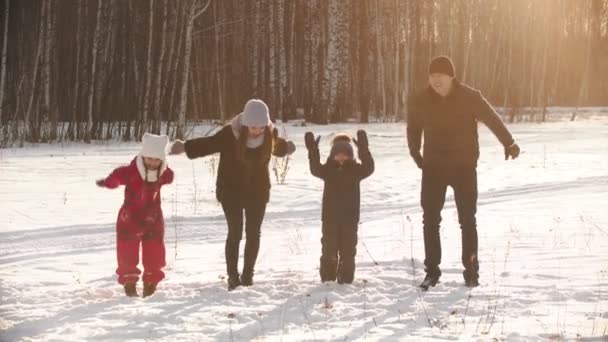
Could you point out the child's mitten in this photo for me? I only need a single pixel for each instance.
(361, 141)
(311, 142)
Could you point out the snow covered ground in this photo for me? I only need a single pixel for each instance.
(543, 229)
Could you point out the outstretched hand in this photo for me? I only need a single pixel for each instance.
(311, 142)
(361, 141)
(101, 183)
(178, 147)
(512, 151)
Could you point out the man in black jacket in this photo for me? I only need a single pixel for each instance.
(341, 202)
(446, 113)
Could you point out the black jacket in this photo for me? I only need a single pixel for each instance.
(341, 193)
(449, 125)
(243, 178)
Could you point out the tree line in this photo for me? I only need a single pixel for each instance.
(102, 69)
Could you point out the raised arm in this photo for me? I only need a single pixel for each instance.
(414, 130)
(367, 166)
(316, 168)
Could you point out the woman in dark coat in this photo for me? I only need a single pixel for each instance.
(243, 179)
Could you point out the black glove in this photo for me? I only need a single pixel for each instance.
(101, 183)
(178, 147)
(291, 147)
(311, 142)
(417, 159)
(361, 141)
(512, 151)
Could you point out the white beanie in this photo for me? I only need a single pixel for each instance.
(256, 114)
(153, 146)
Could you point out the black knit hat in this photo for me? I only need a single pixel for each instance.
(342, 146)
(442, 65)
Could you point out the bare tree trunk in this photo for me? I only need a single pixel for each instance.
(159, 72)
(3, 62)
(46, 71)
(30, 131)
(217, 66)
(584, 88)
(174, 72)
(363, 60)
(181, 113)
(397, 60)
(106, 70)
(146, 101)
(380, 58)
(76, 94)
(96, 38)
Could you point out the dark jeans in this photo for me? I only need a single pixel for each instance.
(463, 180)
(254, 215)
(339, 247)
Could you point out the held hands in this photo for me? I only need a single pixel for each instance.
(290, 147)
(512, 151)
(178, 147)
(361, 141)
(311, 142)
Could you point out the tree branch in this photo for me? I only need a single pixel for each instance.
(201, 11)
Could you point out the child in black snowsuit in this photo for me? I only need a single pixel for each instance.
(341, 202)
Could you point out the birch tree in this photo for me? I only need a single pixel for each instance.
(194, 12)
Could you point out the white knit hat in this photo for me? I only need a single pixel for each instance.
(256, 114)
(153, 146)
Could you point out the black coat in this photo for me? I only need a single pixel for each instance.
(449, 125)
(341, 193)
(239, 178)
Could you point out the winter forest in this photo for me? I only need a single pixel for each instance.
(303, 170)
(88, 70)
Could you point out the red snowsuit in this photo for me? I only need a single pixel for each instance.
(140, 221)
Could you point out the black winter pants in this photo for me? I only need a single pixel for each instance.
(463, 180)
(253, 215)
(339, 247)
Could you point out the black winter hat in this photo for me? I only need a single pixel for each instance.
(442, 65)
(342, 146)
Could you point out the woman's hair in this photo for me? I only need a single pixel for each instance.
(267, 145)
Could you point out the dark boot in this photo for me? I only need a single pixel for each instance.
(131, 289)
(149, 289)
(247, 278)
(234, 281)
(232, 257)
(429, 281)
(346, 271)
(328, 269)
(471, 282)
(471, 277)
(471, 271)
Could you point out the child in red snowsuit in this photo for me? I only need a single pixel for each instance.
(140, 219)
